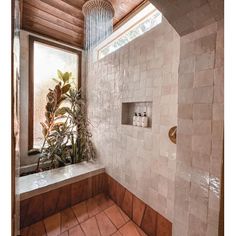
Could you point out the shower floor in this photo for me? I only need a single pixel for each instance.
(98, 216)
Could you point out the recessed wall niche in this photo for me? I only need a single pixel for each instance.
(129, 109)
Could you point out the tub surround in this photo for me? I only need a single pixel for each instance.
(39, 183)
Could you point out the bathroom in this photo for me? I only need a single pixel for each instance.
(151, 91)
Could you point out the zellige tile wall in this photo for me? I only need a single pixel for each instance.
(141, 159)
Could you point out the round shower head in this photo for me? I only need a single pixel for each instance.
(97, 4)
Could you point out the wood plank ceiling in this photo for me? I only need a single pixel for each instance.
(63, 20)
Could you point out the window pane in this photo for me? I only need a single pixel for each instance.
(47, 60)
(149, 21)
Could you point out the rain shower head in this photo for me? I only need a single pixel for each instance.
(97, 4)
(98, 21)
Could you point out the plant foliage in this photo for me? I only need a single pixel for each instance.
(67, 139)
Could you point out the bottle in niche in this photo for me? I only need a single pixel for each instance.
(139, 120)
(135, 119)
(144, 120)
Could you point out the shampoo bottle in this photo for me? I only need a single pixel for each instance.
(135, 119)
(139, 120)
(144, 120)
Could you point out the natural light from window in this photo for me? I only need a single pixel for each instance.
(139, 24)
(47, 60)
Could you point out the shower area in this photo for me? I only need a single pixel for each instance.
(144, 155)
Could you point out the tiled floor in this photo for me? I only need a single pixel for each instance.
(98, 216)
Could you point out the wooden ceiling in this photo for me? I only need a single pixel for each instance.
(63, 20)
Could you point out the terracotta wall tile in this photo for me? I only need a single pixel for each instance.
(44, 205)
(120, 193)
(138, 210)
(81, 191)
(64, 200)
(149, 221)
(50, 202)
(112, 188)
(98, 184)
(164, 227)
(127, 203)
(34, 211)
(105, 183)
(23, 211)
(56, 200)
(103, 201)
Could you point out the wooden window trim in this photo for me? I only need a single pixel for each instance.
(33, 39)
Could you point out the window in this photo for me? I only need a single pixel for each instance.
(45, 59)
(142, 22)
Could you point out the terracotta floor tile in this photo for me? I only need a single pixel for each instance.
(37, 229)
(64, 234)
(105, 225)
(81, 212)
(92, 207)
(103, 201)
(90, 227)
(141, 232)
(114, 214)
(76, 231)
(111, 221)
(117, 233)
(68, 220)
(126, 218)
(129, 229)
(53, 224)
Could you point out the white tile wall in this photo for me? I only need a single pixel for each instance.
(144, 70)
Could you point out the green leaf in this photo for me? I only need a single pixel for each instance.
(60, 74)
(66, 77)
(69, 111)
(65, 88)
(56, 80)
(60, 111)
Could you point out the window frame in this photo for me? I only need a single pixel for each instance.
(32, 40)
